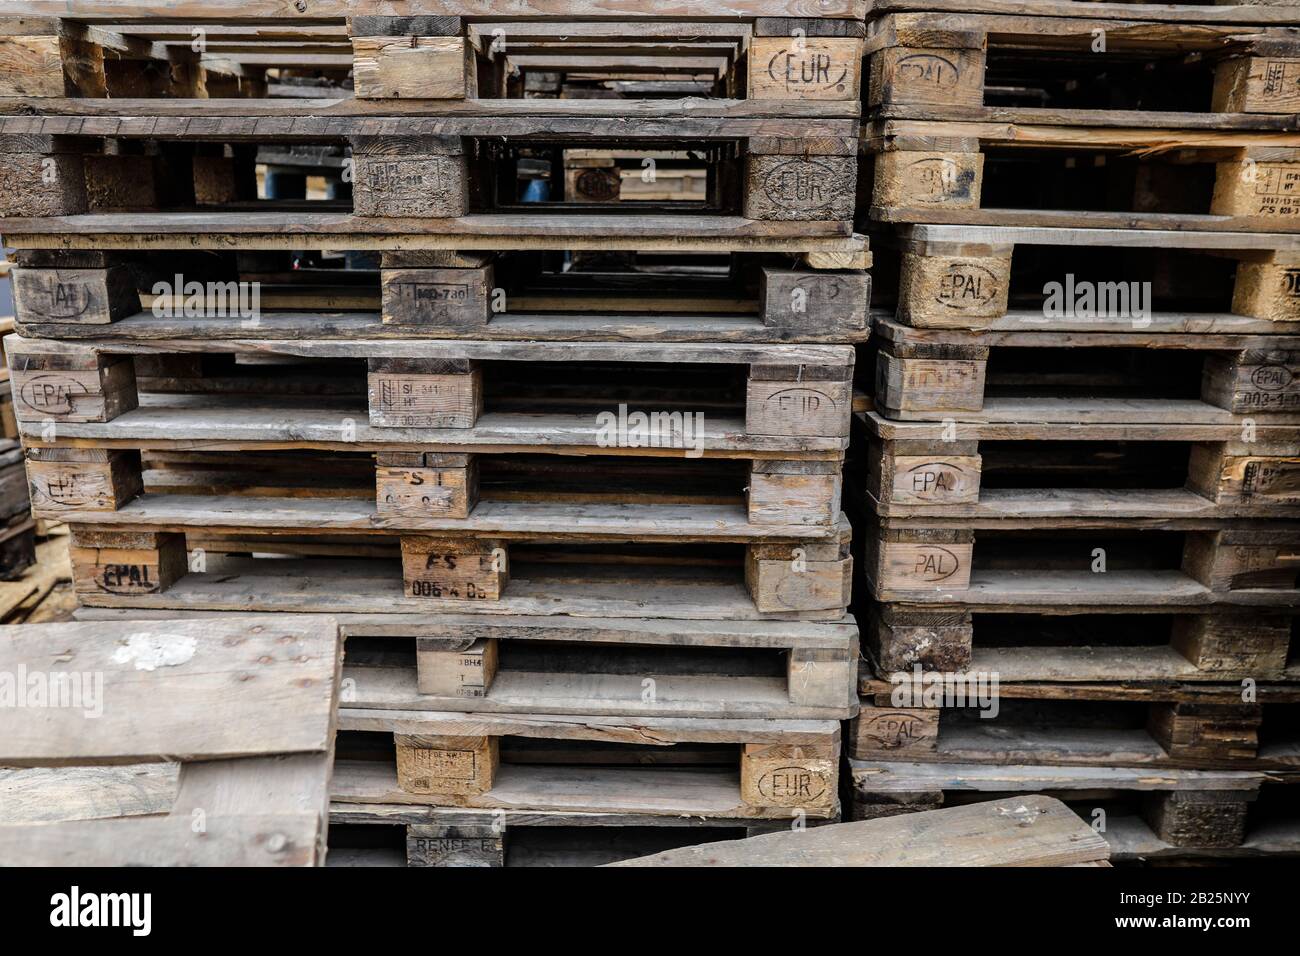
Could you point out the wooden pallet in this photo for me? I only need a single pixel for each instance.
(1102, 560)
(469, 55)
(1119, 376)
(1186, 808)
(602, 667)
(649, 498)
(1089, 469)
(994, 173)
(250, 706)
(778, 185)
(947, 66)
(194, 566)
(1012, 277)
(444, 393)
(526, 296)
(1086, 644)
(703, 768)
(1196, 726)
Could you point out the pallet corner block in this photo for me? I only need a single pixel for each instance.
(791, 776)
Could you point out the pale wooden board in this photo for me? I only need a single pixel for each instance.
(1080, 508)
(1202, 423)
(322, 114)
(176, 690)
(1113, 137)
(282, 11)
(235, 840)
(194, 337)
(885, 776)
(621, 695)
(1054, 589)
(495, 231)
(1176, 13)
(1022, 831)
(467, 628)
(375, 587)
(213, 422)
(1067, 411)
(652, 791)
(353, 776)
(1100, 236)
(591, 326)
(1026, 328)
(49, 794)
(654, 731)
(502, 519)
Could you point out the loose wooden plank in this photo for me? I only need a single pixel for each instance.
(194, 674)
(1022, 831)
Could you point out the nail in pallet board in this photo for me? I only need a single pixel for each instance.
(256, 754)
(990, 173)
(1034, 68)
(1188, 469)
(760, 53)
(1086, 279)
(699, 767)
(408, 835)
(1185, 808)
(432, 294)
(1194, 726)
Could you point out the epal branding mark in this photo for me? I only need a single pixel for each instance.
(74, 909)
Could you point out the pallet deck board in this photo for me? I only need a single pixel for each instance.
(904, 776)
(705, 793)
(394, 688)
(369, 587)
(593, 326)
(531, 520)
(214, 422)
(1003, 588)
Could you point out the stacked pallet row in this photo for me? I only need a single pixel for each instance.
(559, 448)
(1080, 447)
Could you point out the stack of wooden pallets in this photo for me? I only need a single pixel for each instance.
(1080, 452)
(530, 360)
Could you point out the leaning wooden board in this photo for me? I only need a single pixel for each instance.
(247, 705)
(1021, 831)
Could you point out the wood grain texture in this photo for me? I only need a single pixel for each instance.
(1020, 831)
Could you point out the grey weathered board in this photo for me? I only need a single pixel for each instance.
(249, 706)
(1021, 831)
